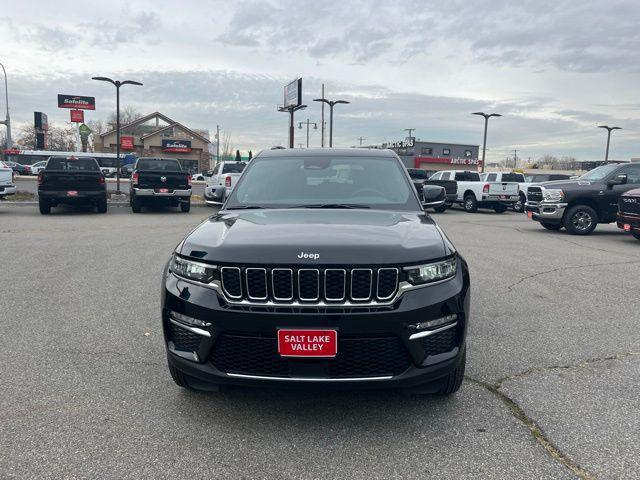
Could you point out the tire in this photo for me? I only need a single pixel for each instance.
(470, 203)
(102, 206)
(45, 207)
(580, 220)
(135, 205)
(179, 378)
(185, 206)
(551, 226)
(451, 383)
(519, 205)
(636, 235)
(500, 208)
(441, 209)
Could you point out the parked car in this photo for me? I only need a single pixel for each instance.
(533, 179)
(201, 177)
(473, 193)
(37, 167)
(159, 181)
(321, 268)
(221, 181)
(421, 177)
(71, 181)
(109, 172)
(19, 168)
(7, 176)
(628, 217)
(127, 170)
(579, 205)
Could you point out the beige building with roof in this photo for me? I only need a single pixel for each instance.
(157, 135)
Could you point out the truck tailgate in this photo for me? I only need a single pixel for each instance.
(233, 176)
(53, 180)
(170, 180)
(503, 188)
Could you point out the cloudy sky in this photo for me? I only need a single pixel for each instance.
(554, 69)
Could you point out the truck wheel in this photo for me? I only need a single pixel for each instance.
(551, 226)
(500, 208)
(441, 208)
(580, 220)
(185, 206)
(45, 207)
(470, 203)
(102, 206)
(519, 205)
(135, 205)
(452, 382)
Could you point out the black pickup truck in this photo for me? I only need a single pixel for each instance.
(420, 178)
(159, 181)
(579, 205)
(71, 181)
(320, 270)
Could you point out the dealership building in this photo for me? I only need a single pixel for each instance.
(157, 135)
(415, 153)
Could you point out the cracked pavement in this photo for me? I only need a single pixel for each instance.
(553, 367)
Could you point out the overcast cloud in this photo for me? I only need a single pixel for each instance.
(554, 69)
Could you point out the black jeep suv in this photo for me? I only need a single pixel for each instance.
(321, 268)
(579, 205)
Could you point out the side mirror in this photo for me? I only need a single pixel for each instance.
(618, 180)
(433, 196)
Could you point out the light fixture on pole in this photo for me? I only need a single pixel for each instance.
(606, 154)
(308, 123)
(117, 84)
(7, 121)
(331, 105)
(486, 123)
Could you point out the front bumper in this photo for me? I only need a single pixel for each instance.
(249, 333)
(150, 192)
(630, 219)
(7, 190)
(551, 212)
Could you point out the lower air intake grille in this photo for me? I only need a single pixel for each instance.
(183, 339)
(440, 342)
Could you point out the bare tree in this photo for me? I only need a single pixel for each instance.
(62, 139)
(226, 147)
(127, 115)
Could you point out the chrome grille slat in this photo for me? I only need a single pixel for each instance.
(306, 275)
(278, 281)
(358, 276)
(330, 285)
(231, 275)
(256, 281)
(382, 273)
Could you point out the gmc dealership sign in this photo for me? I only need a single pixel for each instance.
(77, 102)
(180, 146)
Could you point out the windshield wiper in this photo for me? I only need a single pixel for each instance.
(245, 207)
(332, 205)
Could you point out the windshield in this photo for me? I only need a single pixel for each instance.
(362, 182)
(512, 177)
(156, 164)
(233, 167)
(599, 173)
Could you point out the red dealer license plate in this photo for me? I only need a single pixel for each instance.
(72, 193)
(163, 190)
(530, 215)
(308, 343)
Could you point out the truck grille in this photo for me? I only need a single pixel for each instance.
(534, 194)
(249, 354)
(628, 204)
(309, 285)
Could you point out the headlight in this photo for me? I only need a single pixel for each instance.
(200, 272)
(552, 195)
(432, 272)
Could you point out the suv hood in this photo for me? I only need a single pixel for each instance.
(339, 237)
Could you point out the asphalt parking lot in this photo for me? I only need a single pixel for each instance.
(552, 388)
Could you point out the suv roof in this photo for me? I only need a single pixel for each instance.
(327, 152)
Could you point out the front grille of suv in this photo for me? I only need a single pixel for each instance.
(309, 285)
(251, 354)
(534, 194)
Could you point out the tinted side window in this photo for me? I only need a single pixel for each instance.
(492, 177)
(467, 177)
(233, 168)
(632, 172)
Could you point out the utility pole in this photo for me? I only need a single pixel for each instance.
(308, 123)
(7, 121)
(360, 139)
(410, 130)
(217, 143)
(322, 122)
(515, 158)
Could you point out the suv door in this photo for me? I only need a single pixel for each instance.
(612, 194)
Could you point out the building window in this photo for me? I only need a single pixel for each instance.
(467, 153)
(446, 152)
(426, 151)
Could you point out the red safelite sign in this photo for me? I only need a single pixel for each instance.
(179, 146)
(77, 102)
(77, 116)
(126, 143)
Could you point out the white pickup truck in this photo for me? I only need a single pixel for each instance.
(524, 181)
(221, 182)
(473, 193)
(7, 187)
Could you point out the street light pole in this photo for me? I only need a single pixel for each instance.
(331, 104)
(486, 124)
(7, 121)
(117, 84)
(308, 123)
(606, 155)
